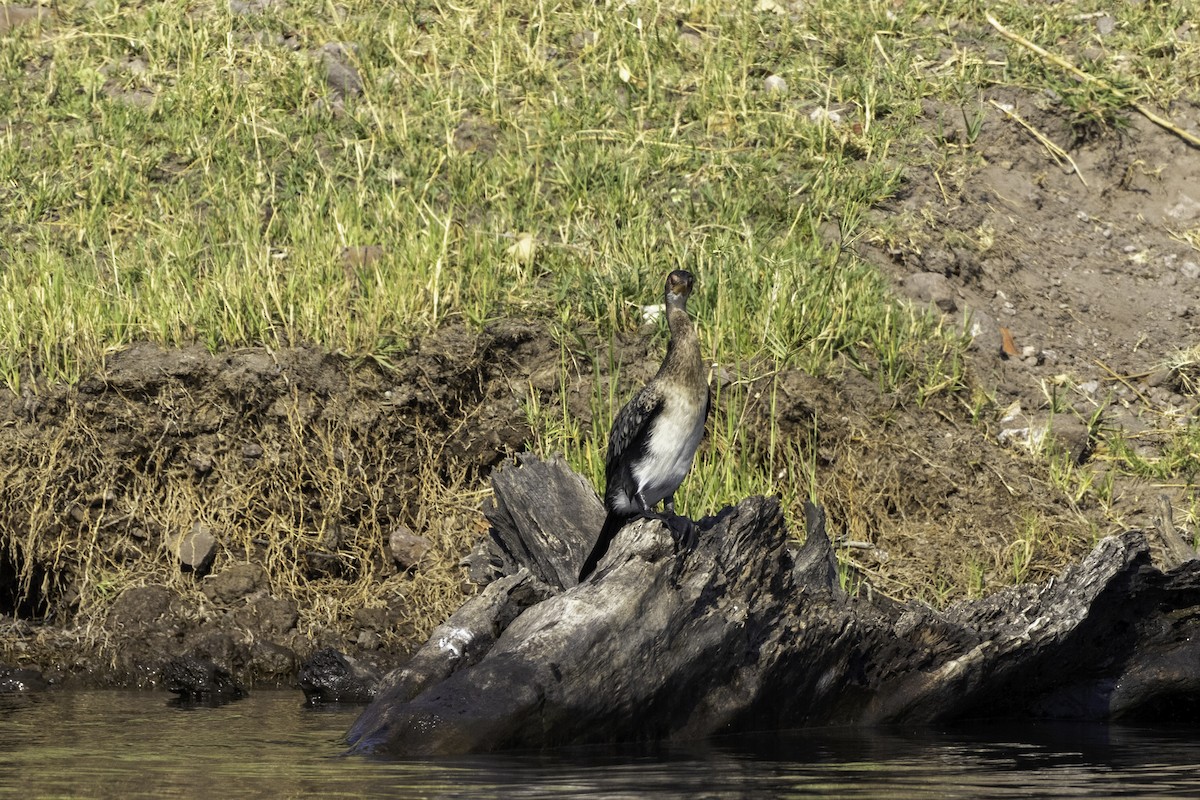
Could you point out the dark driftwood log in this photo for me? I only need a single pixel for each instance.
(750, 631)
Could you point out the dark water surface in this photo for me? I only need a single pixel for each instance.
(134, 744)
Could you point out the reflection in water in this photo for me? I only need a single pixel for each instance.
(134, 744)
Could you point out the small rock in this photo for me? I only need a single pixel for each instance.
(234, 582)
(546, 378)
(196, 679)
(1105, 25)
(201, 463)
(1185, 209)
(930, 287)
(340, 74)
(690, 37)
(406, 547)
(196, 549)
(983, 330)
(1030, 438)
(1160, 377)
(21, 679)
(483, 564)
(371, 619)
(252, 450)
(271, 660)
(331, 677)
(774, 84)
(1012, 413)
(1190, 270)
(1072, 437)
(136, 66)
(274, 615)
(141, 607)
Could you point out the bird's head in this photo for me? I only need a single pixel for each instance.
(679, 287)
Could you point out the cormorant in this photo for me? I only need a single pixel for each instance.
(655, 435)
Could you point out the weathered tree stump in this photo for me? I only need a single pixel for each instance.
(750, 632)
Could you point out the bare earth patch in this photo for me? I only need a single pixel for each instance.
(1091, 273)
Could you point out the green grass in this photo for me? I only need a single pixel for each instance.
(218, 209)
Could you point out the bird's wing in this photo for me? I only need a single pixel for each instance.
(629, 431)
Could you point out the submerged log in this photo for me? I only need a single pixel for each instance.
(750, 631)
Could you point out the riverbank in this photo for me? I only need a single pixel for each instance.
(182, 478)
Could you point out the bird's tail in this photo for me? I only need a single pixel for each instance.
(612, 525)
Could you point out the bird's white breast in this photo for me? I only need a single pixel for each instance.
(674, 437)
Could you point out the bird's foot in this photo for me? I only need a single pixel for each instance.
(685, 533)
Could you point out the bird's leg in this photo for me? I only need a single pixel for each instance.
(683, 530)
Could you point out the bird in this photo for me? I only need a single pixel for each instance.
(655, 435)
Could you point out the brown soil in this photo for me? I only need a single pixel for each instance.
(1088, 271)
(301, 465)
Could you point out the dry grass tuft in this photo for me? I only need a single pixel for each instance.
(311, 498)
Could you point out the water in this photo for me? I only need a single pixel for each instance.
(134, 744)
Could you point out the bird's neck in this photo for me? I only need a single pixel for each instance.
(682, 363)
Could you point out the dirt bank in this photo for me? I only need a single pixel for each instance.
(1091, 261)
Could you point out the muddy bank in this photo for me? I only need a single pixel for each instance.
(250, 507)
